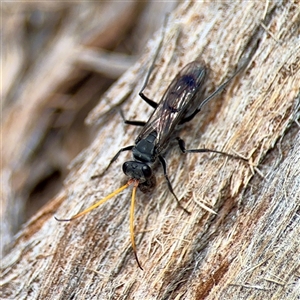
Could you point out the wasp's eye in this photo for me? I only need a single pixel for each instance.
(147, 171)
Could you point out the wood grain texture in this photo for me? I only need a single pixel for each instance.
(248, 248)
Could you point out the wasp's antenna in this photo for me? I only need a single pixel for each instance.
(136, 183)
(97, 204)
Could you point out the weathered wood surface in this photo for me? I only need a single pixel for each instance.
(249, 249)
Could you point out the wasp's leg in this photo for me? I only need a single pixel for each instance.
(141, 93)
(164, 165)
(128, 148)
(181, 144)
(132, 122)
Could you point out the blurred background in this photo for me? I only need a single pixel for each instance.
(57, 60)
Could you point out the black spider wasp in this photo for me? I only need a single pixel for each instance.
(181, 102)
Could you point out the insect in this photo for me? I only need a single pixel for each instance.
(181, 102)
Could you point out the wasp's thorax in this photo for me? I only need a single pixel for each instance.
(143, 153)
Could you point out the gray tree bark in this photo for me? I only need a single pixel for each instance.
(241, 240)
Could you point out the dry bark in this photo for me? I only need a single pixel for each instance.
(248, 248)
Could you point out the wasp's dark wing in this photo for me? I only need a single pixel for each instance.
(179, 101)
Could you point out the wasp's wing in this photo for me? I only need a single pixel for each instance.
(179, 101)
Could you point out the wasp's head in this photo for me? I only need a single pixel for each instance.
(137, 170)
